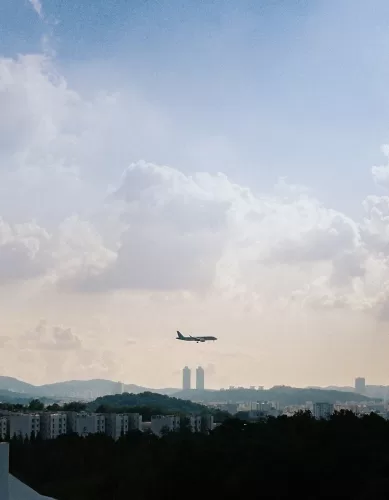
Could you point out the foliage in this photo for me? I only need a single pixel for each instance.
(147, 404)
(74, 406)
(283, 394)
(36, 405)
(284, 457)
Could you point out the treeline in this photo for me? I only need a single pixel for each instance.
(286, 457)
(36, 405)
(283, 394)
(146, 404)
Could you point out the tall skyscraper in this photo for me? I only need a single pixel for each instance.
(186, 378)
(200, 378)
(360, 385)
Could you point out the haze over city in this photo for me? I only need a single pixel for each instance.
(219, 168)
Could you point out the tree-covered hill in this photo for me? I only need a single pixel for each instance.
(146, 403)
(283, 394)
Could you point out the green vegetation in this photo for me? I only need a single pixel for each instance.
(150, 403)
(295, 457)
(284, 394)
(146, 404)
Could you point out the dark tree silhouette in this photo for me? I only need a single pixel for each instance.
(285, 457)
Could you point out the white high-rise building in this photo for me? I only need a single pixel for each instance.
(186, 375)
(159, 423)
(200, 378)
(360, 385)
(322, 410)
(24, 424)
(53, 425)
(86, 423)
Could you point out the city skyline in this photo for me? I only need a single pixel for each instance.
(218, 168)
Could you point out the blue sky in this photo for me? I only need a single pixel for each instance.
(295, 88)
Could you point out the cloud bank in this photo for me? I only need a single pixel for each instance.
(82, 216)
(156, 228)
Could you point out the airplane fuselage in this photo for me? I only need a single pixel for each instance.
(195, 339)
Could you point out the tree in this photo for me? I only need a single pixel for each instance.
(36, 405)
(54, 407)
(74, 406)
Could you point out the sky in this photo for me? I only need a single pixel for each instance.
(217, 167)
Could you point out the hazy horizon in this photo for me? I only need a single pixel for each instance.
(219, 168)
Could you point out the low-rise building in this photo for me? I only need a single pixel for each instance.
(53, 425)
(23, 424)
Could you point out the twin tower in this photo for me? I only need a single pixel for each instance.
(186, 376)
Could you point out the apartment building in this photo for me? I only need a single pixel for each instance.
(23, 424)
(53, 425)
(85, 423)
(116, 425)
(207, 423)
(134, 422)
(323, 410)
(161, 423)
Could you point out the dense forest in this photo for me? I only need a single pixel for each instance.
(285, 457)
(150, 403)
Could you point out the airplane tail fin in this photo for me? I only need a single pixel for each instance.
(179, 335)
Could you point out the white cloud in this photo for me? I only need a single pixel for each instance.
(24, 251)
(381, 173)
(37, 6)
(44, 337)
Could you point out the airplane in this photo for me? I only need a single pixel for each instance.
(193, 339)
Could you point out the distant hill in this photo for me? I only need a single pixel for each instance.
(285, 395)
(21, 398)
(89, 390)
(373, 391)
(15, 385)
(74, 389)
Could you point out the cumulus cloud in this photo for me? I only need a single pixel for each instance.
(24, 251)
(53, 338)
(158, 228)
(330, 235)
(175, 230)
(381, 173)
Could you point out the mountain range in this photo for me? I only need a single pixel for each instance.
(76, 389)
(12, 389)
